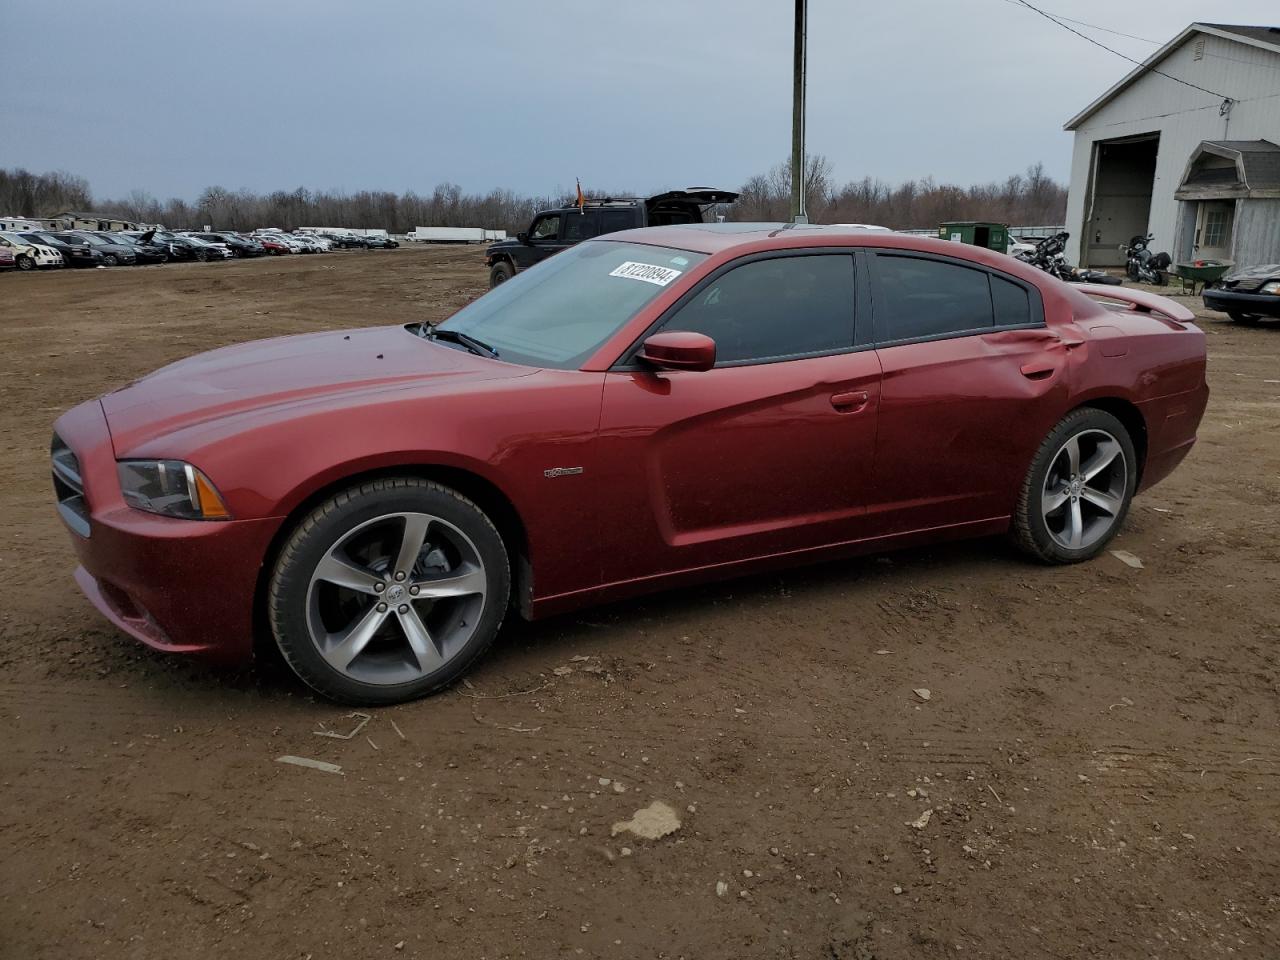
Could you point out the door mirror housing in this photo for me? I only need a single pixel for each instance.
(522, 237)
(679, 350)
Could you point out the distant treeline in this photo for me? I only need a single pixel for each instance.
(1030, 198)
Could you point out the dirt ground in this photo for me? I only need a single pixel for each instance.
(1100, 749)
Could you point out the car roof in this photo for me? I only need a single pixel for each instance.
(718, 237)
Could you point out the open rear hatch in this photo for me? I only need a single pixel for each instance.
(683, 206)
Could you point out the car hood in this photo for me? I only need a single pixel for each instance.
(288, 370)
(1265, 272)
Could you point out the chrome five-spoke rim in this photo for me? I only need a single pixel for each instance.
(396, 598)
(1084, 489)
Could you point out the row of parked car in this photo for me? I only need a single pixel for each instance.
(40, 249)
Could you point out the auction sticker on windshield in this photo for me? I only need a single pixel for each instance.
(646, 272)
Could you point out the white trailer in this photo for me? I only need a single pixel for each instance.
(448, 234)
(492, 235)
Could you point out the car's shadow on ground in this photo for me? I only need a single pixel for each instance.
(524, 649)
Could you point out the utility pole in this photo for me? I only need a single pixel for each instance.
(798, 214)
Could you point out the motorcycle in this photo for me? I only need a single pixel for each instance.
(1142, 265)
(1049, 255)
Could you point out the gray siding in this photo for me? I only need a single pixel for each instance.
(1257, 238)
(1183, 117)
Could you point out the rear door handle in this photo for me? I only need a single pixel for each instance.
(1038, 371)
(851, 402)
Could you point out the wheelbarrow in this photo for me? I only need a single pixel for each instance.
(1203, 272)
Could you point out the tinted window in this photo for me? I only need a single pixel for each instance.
(929, 298)
(580, 226)
(1011, 302)
(614, 220)
(775, 308)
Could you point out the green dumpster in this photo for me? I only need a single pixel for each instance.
(993, 236)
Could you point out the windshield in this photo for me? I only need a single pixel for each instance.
(44, 238)
(559, 312)
(92, 238)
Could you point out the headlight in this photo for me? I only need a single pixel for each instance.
(170, 488)
(1272, 287)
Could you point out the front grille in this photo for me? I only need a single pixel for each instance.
(68, 487)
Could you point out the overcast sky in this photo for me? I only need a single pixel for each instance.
(170, 97)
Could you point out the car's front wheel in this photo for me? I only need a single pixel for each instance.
(1241, 317)
(1078, 489)
(502, 272)
(389, 591)
(26, 263)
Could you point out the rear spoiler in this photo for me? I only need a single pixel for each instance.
(1139, 301)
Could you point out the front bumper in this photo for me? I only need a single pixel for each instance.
(1232, 301)
(179, 586)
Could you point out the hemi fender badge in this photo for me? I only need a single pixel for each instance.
(561, 472)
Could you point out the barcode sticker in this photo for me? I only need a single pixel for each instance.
(646, 272)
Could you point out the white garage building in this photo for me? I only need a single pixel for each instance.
(1198, 168)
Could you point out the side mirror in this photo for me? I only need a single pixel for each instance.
(679, 350)
(522, 237)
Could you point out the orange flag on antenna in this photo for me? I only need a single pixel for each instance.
(582, 198)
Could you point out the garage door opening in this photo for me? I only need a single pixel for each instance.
(1119, 205)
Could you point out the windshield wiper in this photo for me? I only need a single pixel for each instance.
(478, 347)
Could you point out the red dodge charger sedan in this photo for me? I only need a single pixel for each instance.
(657, 407)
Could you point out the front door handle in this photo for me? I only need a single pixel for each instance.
(852, 402)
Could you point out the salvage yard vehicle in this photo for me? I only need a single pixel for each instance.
(28, 255)
(238, 245)
(271, 245)
(7, 260)
(178, 246)
(116, 251)
(656, 408)
(75, 253)
(552, 231)
(206, 250)
(1247, 295)
(146, 253)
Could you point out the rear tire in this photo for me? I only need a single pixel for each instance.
(502, 271)
(1078, 489)
(389, 591)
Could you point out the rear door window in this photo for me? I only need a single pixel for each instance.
(580, 226)
(917, 299)
(611, 221)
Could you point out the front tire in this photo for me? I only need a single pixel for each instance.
(502, 271)
(26, 263)
(1078, 490)
(389, 591)
(1239, 317)
(111, 260)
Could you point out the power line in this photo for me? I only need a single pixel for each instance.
(1174, 113)
(1097, 43)
(1094, 26)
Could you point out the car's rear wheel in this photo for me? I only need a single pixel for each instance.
(502, 272)
(1078, 490)
(389, 591)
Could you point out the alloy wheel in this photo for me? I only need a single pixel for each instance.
(396, 598)
(1084, 489)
